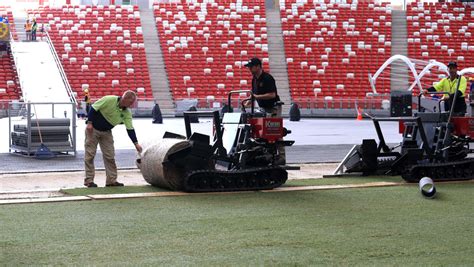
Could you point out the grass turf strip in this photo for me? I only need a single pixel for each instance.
(387, 226)
(303, 182)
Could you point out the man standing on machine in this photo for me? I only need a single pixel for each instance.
(265, 92)
(449, 85)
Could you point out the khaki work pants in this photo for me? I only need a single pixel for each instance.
(275, 112)
(106, 141)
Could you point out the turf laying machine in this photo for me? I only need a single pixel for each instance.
(242, 154)
(434, 144)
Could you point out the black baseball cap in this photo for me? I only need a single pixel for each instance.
(253, 62)
(452, 64)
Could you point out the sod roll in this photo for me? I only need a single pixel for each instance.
(154, 153)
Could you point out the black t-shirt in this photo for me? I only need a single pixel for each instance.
(263, 85)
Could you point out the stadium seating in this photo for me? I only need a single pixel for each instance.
(441, 31)
(9, 88)
(101, 47)
(332, 47)
(206, 45)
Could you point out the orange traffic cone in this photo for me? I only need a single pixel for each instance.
(359, 114)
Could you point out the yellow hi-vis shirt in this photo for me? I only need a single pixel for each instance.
(446, 85)
(108, 106)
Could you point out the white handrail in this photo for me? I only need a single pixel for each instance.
(61, 69)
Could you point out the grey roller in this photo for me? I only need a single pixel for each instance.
(156, 152)
(46, 138)
(51, 122)
(45, 130)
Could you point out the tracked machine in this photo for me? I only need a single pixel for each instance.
(434, 144)
(241, 155)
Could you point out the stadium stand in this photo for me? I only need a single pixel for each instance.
(441, 31)
(332, 47)
(9, 88)
(206, 45)
(101, 47)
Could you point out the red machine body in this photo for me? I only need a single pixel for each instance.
(462, 126)
(401, 127)
(270, 129)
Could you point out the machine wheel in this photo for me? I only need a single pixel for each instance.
(441, 172)
(264, 182)
(449, 172)
(468, 171)
(228, 183)
(204, 183)
(240, 183)
(216, 182)
(459, 173)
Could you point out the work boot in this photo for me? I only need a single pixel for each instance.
(114, 184)
(91, 184)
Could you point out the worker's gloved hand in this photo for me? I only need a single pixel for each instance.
(89, 128)
(445, 97)
(246, 102)
(431, 89)
(138, 147)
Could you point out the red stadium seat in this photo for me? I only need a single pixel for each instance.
(93, 40)
(206, 48)
(336, 45)
(9, 87)
(440, 31)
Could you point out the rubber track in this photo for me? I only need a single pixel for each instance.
(240, 180)
(450, 171)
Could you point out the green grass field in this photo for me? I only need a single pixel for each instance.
(375, 226)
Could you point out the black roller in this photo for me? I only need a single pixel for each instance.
(44, 129)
